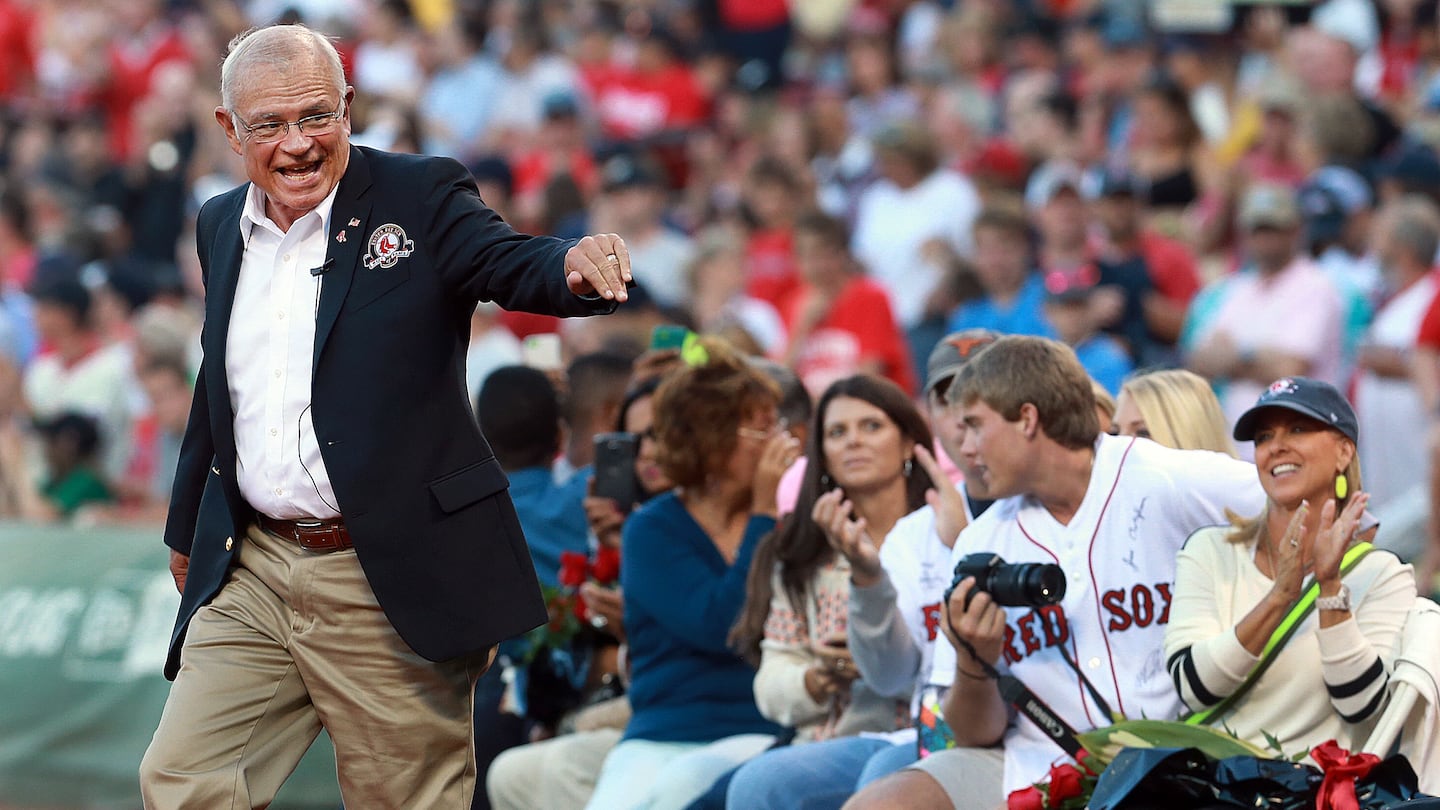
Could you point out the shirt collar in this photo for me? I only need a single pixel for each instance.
(253, 214)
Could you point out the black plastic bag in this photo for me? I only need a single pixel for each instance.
(1186, 779)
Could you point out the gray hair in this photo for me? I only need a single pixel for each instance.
(276, 46)
(1415, 229)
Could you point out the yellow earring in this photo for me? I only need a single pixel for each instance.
(1342, 486)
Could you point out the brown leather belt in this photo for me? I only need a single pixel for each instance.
(311, 535)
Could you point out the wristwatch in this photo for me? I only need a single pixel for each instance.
(1340, 601)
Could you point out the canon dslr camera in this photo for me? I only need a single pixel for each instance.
(1010, 584)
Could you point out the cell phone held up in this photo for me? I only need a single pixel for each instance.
(615, 468)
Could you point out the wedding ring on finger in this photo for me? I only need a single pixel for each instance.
(1294, 543)
(599, 622)
(611, 258)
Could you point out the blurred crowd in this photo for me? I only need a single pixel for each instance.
(1249, 190)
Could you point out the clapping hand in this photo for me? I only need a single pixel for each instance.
(1335, 534)
(1287, 560)
(944, 498)
(850, 536)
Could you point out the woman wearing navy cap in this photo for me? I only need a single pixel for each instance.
(1236, 585)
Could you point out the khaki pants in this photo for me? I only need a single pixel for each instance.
(294, 642)
(556, 774)
(973, 778)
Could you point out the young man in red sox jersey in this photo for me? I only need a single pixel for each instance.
(1112, 512)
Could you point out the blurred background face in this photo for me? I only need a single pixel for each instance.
(720, 276)
(869, 62)
(818, 261)
(863, 448)
(1000, 259)
(740, 468)
(169, 397)
(1062, 219)
(1071, 319)
(897, 168)
(639, 419)
(1156, 124)
(949, 430)
(53, 322)
(1118, 215)
(635, 207)
(1271, 248)
(769, 201)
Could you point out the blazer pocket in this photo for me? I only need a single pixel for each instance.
(457, 490)
(370, 285)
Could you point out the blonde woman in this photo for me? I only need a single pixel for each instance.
(1174, 407)
(1234, 585)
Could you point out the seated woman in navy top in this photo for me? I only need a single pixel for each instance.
(685, 558)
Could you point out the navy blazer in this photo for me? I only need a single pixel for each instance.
(419, 488)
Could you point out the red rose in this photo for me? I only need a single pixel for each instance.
(1065, 783)
(1084, 758)
(556, 608)
(607, 565)
(573, 567)
(1028, 799)
(582, 610)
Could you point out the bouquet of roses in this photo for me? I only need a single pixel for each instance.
(566, 605)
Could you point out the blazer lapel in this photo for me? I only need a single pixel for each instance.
(224, 274)
(344, 241)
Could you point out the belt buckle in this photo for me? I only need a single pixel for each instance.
(302, 539)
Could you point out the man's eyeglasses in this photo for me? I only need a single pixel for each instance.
(310, 126)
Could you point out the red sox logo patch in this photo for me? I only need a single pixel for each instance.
(388, 245)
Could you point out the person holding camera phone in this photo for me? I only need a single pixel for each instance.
(560, 773)
(1111, 513)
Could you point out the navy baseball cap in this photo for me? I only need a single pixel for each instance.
(1318, 400)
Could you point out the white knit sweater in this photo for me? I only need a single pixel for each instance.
(1320, 678)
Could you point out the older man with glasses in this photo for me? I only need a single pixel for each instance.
(340, 529)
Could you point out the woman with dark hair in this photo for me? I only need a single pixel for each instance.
(1164, 145)
(861, 476)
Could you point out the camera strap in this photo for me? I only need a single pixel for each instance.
(1017, 694)
(1100, 701)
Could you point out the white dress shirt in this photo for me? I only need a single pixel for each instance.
(268, 356)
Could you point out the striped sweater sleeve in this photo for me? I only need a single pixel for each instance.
(1205, 658)
(1356, 655)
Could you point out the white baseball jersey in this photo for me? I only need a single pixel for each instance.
(1118, 553)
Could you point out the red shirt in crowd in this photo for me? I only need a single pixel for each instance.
(770, 273)
(634, 104)
(534, 169)
(753, 15)
(17, 48)
(1172, 267)
(1429, 334)
(859, 328)
(133, 63)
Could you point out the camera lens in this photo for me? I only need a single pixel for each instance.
(1027, 584)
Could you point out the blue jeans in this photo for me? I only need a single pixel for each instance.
(815, 776)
